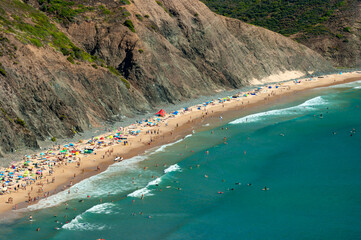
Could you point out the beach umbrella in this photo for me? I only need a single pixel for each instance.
(72, 145)
(161, 113)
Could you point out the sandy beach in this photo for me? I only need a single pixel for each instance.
(53, 171)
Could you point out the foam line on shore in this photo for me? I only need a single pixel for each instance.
(350, 84)
(308, 105)
(94, 186)
(163, 147)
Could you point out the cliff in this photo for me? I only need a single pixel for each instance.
(69, 65)
(329, 27)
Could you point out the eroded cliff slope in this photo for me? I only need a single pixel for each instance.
(70, 65)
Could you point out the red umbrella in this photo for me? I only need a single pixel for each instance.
(161, 113)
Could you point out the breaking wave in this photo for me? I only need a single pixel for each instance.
(104, 208)
(163, 147)
(173, 168)
(304, 107)
(95, 186)
(145, 191)
(80, 224)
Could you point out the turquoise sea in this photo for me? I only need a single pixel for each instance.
(306, 152)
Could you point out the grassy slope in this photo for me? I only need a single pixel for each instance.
(282, 16)
(304, 21)
(31, 26)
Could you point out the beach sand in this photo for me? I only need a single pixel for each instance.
(170, 130)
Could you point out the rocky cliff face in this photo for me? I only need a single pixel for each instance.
(166, 50)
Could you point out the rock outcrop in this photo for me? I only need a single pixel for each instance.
(167, 50)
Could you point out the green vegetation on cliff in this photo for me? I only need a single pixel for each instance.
(31, 26)
(129, 24)
(2, 71)
(117, 73)
(64, 11)
(282, 16)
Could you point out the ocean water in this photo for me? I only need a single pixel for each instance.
(304, 152)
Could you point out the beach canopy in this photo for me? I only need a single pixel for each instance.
(161, 113)
(175, 113)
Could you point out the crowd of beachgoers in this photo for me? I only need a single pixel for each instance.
(32, 172)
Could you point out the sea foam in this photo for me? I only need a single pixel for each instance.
(141, 193)
(350, 84)
(308, 105)
(163, 147)
(144, 192)
(173, 168)
(79, 224)
(104, 208)
(95, 186)
(105, 182)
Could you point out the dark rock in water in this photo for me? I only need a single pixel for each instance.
(176, 51)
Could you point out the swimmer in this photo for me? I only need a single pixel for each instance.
(237, 183)
(249, 184)
(30, 218)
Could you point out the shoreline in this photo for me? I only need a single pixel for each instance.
(171, 130)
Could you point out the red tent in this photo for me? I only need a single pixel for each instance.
(161, 113)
